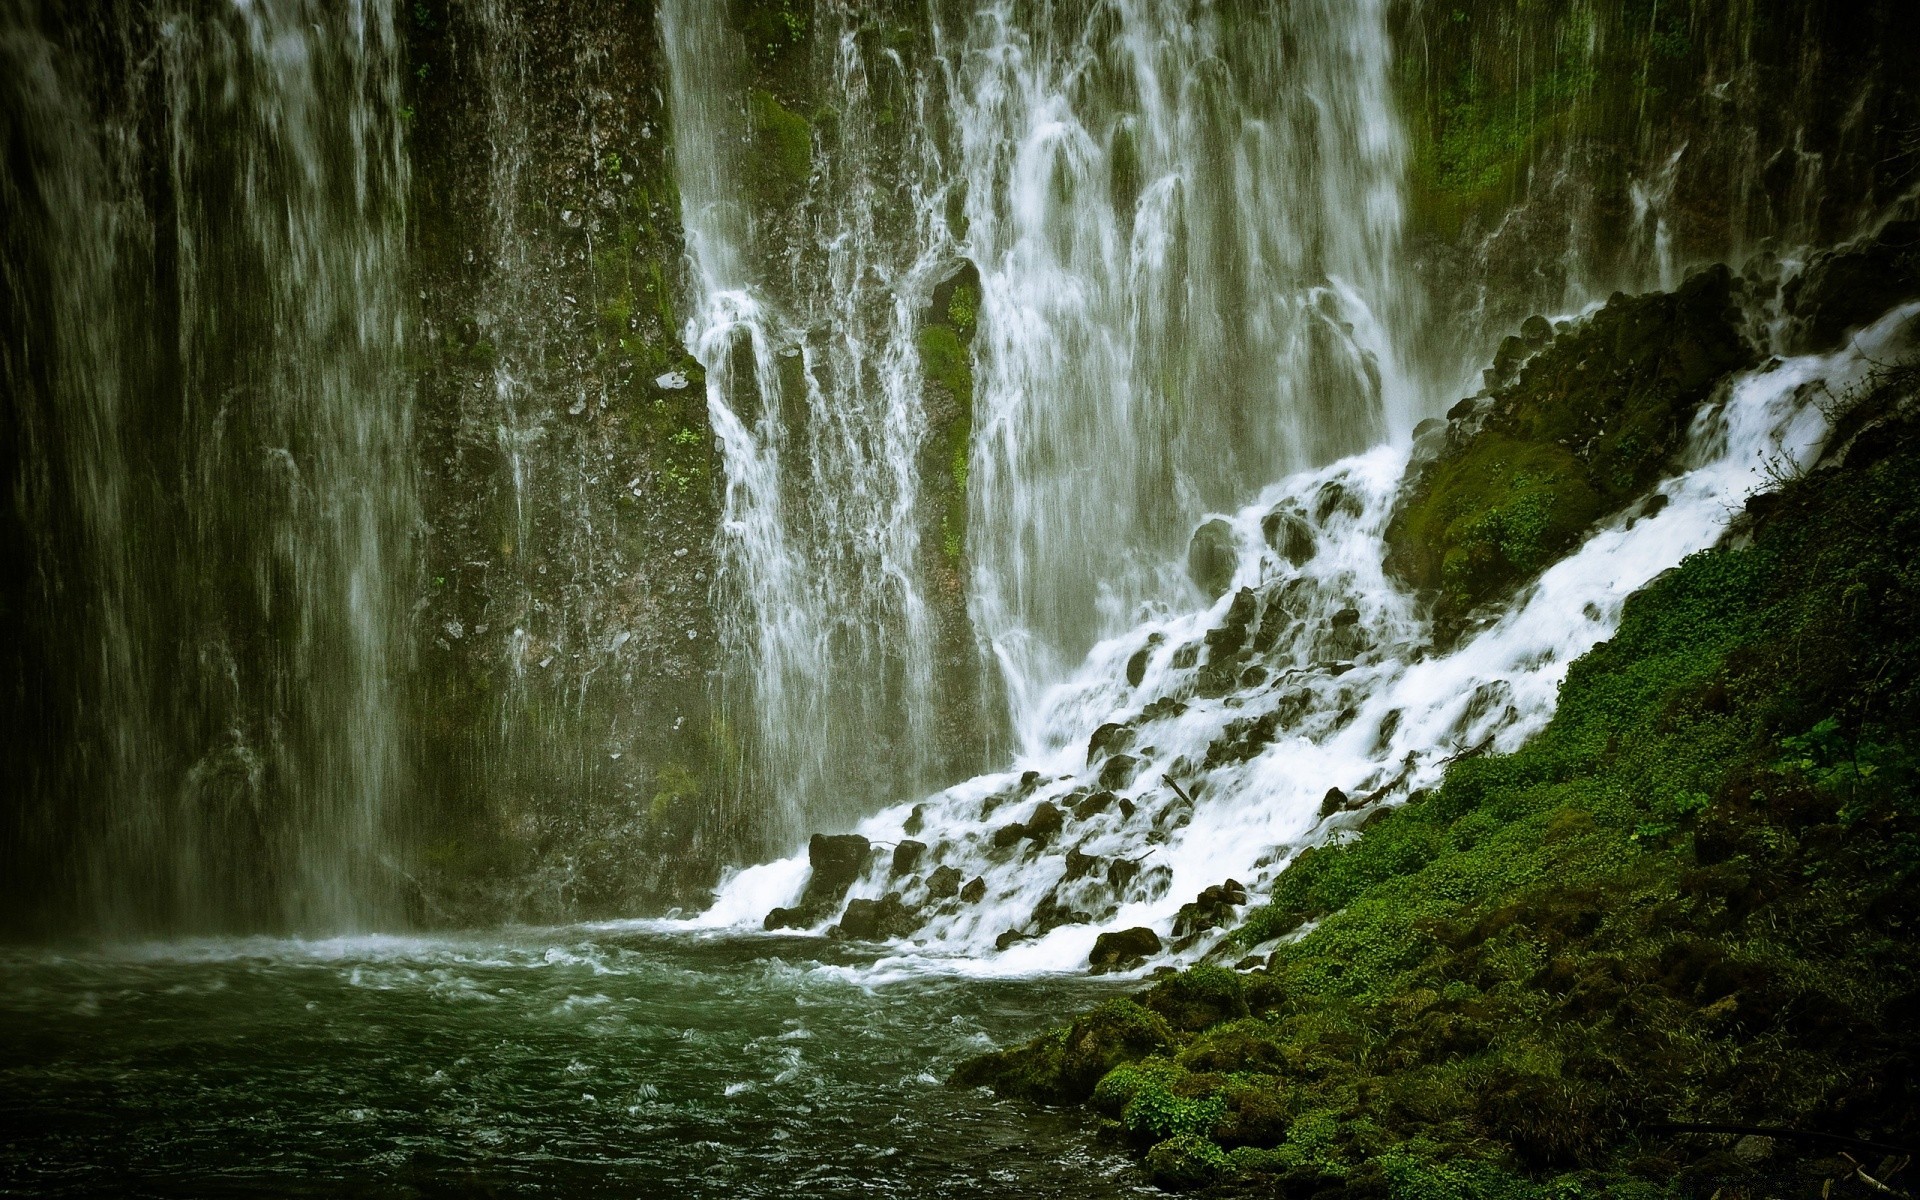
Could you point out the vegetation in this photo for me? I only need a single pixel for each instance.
(1691, 899)
(1591, 419)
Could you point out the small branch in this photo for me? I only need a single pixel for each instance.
(1860, 1173)
(1179, 791)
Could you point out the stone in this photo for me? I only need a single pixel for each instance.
(975, 891)
(785, 918)
(1047, 820)
(1093, 805)
(1753, 1149)
(1334, 801)
(1009, 835)
(1119, 771)
(1010, 937)
(1213, 557)
(916, 820)
(944, 883)
(1853, 285)
(1288, 533)
(837, 861)
(1121, 950)
(861, 920)
(1137, 666)
(1186, 656)
(1110, 738)
(907, 856)
(1080, 865)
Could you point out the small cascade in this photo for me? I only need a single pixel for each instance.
(1190, 759)
(205, 250)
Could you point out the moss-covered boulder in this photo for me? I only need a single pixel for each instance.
(1850, 286)
(1566, 437)
(1062, 1066)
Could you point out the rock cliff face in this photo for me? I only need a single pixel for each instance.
(568, 759)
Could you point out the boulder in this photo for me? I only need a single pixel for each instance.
(1009, 835)
(1080, 865)
(1093, 805)
(871, 920)
(1137, 666)
(907, 856)
(1334, 801)
(786, 918)
(944, 883)
(1213, 557)
(1852, 286)
(1047, 820)
(837, 861)
(975, 891)
(1124, 949)
(1119, 771)
(1110, 738)
(1288, 533)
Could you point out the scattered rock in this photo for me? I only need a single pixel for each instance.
(1080, 865)
(786, 918)
(1110, 738)
(1186, 656)
(1047, 820)
(1334, 801)
(1137, 666)
(871, 920)
(1009, 835)
(975, 891)
(907, 856)
(916, 820)
(1124, 949)
(1011, 937)
(1289, 535)
(1211, 909)
(1093, 805)
(837, 861)
(1119, 772)
(1212, 558)
(944, 883)
(1753, 1149)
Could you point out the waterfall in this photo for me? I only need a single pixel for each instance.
(815, 393)
(1187, 222)
(1184, 225)
(215, 494)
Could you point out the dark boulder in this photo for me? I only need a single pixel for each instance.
(944, 883)
(1137, 666)
(837, 861)
(1080, 865)
(786, 918)
(907, 856)
(1852, 286)
(1046, 821)
(1211, 909)
(1110, 738)
(871, 920)
(1009, 835)
(1093, 805)
(1212, 558)
(1334, 801)
(1062, 1069)
(1119, 771)
(1122, 950)
(975, 891)
(1289, 535)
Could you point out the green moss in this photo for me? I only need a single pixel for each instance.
(1582, 428)
(1691, 897)
(784, 141)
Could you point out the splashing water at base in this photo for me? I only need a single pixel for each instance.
(1196, 776)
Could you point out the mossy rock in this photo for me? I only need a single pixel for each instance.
(1064, 1065)
(1591, 422)
(783, 145)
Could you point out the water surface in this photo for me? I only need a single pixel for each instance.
(610, 1061)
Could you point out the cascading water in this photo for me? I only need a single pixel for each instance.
(1335, 702)
(814, 390)
(204, 252)
(1185, 226)
(1187, 223)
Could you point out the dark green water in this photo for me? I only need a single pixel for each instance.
(574, 1062)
